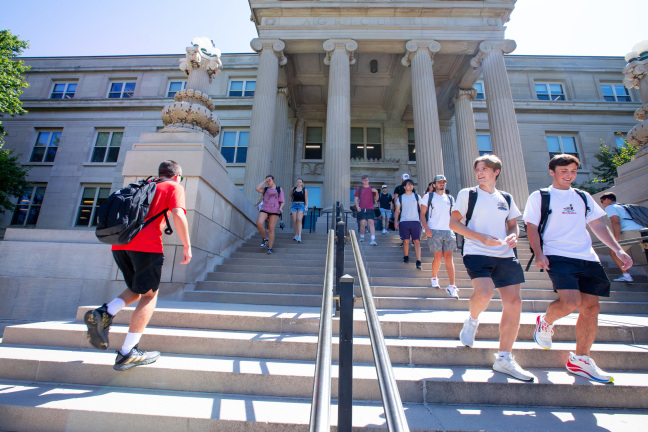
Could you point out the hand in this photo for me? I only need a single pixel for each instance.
(428, 233)
(542, 262)
(625, 259)
(490, 241)
(511, 241)
(395, 225)
(187, 255)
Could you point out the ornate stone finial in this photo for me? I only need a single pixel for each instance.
(636, 76)
(277, 45)
(414, 45)
(506, 46)
(349, 45)
(192, 110)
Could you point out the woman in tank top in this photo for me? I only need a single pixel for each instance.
(299, 199)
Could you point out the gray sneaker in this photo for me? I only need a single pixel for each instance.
(373, 243)
(136, 357)
(468, 332)
(508, 365)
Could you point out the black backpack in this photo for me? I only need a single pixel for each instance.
(545, 211)
(124, 212)
(400, 202)
(278, 190)
(637, 213)
(430, 205)
(472, 200)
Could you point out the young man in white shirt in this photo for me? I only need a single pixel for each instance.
(409, 225)
(441, 239)
(490, 236)
(566, 253)
(623, 227)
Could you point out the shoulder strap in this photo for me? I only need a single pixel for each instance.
(472, 200)
(584, 198)
(545, 211)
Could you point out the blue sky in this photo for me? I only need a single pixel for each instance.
(118, 27)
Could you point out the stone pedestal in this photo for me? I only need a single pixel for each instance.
(429, 151)
(337, 149)
(466, 135)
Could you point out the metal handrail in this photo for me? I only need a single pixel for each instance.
(392, 404)
(321, 405)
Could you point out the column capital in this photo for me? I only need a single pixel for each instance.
(282, 91)
(469, 94)
(349, 45)
(414, 45)
(276, 45)
(505, 46)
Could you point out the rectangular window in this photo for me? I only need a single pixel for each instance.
(63, 90)
(91, 199)
(411, 145)
(479, 86)
(548, 91)
(314, 143)
(106, 148)
(175, 87)
(620, 139)
(234, 146)
(121, 90)
(47, 144)
(242, 88)
(366, 143)
(615, 93)
(29, 205)
(558, 144)
(484, 144)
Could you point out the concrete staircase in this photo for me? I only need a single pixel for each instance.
(238, 354)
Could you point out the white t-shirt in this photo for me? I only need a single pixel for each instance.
(489, 217)
(409, 212)
(439, 216)
(566, 232)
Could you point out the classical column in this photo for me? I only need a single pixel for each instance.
(449, 156)
(337, 149)
(429, 155)
(466, 135)
(263, 114)
(279, 167)
(299, 147)
(504, 132)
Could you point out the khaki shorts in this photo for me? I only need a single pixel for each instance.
(628, 235)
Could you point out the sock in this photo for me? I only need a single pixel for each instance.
(131, 340)
(626, 274)
(501, 354)
(361, 236)
(373, 237)
(473, 320)
(115, 306)
(582, 357)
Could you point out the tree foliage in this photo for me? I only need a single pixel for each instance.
(13, 178)
(610, 159)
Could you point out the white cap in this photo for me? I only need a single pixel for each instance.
(384, 186)
(405, 176)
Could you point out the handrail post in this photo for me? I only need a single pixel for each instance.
(345, 375)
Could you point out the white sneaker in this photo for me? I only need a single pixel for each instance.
(453, 291)
(295, 238)
(299, 239)
(435, 282)
(508, 365)
(587, 368)
(624, 279)
(385, 231)
(468, 332)
(361, 239)
(373, 243)
(543, 333)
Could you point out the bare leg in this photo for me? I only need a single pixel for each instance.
(272, 221)
(483, 290)
(261, 224)
(300, 217)
(587, 323)
(449, 263)
(294, 220)
(417, 249)
(510, 322)
(363, 224)
(568, 301)
(406, 247)
(436, 263)
(372, 229)
(143, 312)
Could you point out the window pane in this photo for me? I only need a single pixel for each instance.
(98, 154)
(175, 86)
(57, 96)
(59, 88)
(249, 88)
(555, 89)
(241, 154)
(103, 194)
(236, 85)
(33, 215)
(313, 151)
(20, 215)
(607, 90)
(410, 135)
(484, 143)
(357, 151)
(116, 139)
(51, 154)
(374, 151)
(88, 196)
(373, 135)
(620, 141)
(129, 87)
(71, 88)
(411, 150)
(26, 196)
(229, 139)
(541, 89)
(553, 144)
(357, 135)
(610, 98)
(228, 153)
(43, 138)
(37, 154)
(113, 154)
(244, 137)
(102, 139)
(568, 144)
(56, 139)
(314, 134)
(38, 196)
(116, 87)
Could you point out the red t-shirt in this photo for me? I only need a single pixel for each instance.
(168, 194)
(366, 197)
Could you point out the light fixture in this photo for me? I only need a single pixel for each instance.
(373, 66)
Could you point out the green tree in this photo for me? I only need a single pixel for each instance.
(610, 159)
(12, 174)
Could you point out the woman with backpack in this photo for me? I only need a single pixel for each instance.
(271, 209)
(299, 199)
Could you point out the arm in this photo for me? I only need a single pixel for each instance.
(603, 233)
(428, 231)
(375, 197)
(356, 201)
(512, 232)
(616, 226)
(396, 214)
(459, 228)
(182, 227)
(260, 187)
(306, 198)
(534, 240)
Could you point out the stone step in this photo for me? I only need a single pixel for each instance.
(73, 407)
(303, 347)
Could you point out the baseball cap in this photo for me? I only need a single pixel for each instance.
(405, 176)
(439, 178)
(384, 186)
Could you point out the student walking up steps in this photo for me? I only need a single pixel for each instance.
(556, 220)
(490, 233)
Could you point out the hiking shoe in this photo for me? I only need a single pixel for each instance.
(543, 333)
(406, 259)
(418, 265)
(269, 251)
(468, 332)
(508, 365)
(373, 243)
(587, 368)
(435, 282)
(453, 291)
(98, 322)
(627, 279)
(135, 357)
(264, 243)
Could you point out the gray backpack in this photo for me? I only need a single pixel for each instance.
(637, 213)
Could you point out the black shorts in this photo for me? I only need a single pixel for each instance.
(270, 214)
(366, 214)
(575, 274)
(503, 271)
(142, 270)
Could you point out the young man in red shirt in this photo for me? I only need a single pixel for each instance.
(141, 264)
